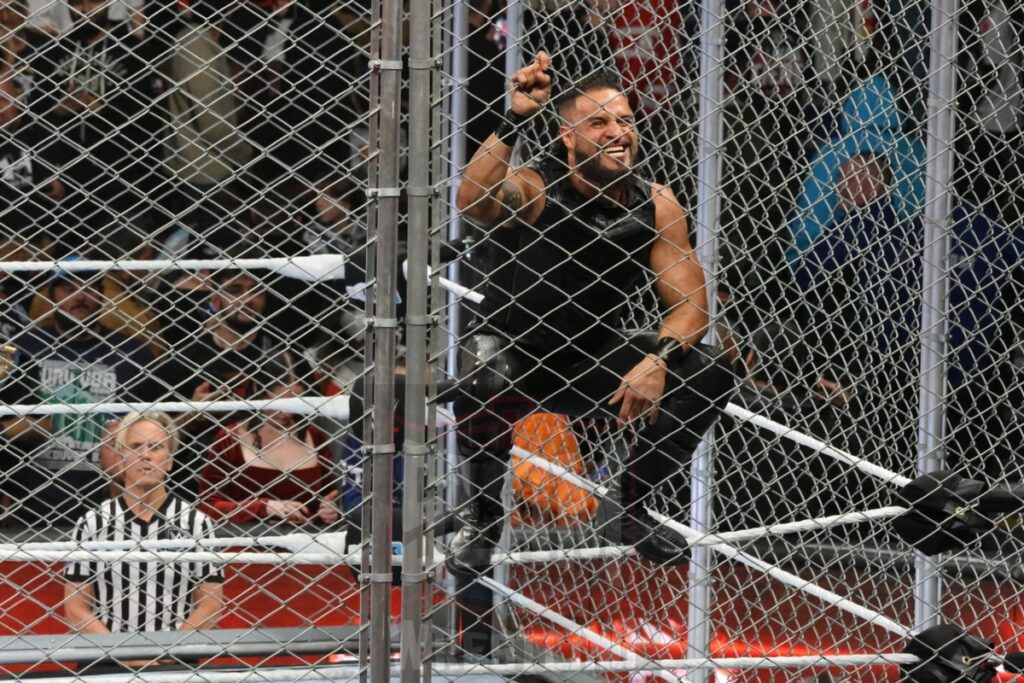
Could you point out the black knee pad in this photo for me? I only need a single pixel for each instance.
(487, 368)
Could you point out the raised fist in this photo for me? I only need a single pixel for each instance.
(531, 85)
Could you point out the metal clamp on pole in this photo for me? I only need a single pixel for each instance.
(376, 192)
(417, 577)
(427, 191)
(370, 577)
(385, 65)
(424, 320)
(382, 322)
(424, 64)
(379, 449)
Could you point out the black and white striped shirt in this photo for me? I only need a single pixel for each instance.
(143, 596)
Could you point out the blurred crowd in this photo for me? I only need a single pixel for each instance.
(216, 129)
(153, 130)
(822, 226)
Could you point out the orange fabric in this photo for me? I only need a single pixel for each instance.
(545, 497)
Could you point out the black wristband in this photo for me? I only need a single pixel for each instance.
(669, 349)
(508, 131)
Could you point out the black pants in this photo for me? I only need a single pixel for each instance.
(501, 382)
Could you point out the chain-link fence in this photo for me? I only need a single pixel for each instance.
(547, 340)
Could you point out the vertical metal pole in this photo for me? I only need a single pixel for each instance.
(417, 321)
(709, 136)
(382, 450)
(513, 46)
(934, 282)
(457, 134)
(438, 296)
(457, 141)
(457, 68)
(513, 61)
(366, 518)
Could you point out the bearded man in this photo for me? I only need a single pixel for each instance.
(224, 360)
(574, 238)
(54, 475)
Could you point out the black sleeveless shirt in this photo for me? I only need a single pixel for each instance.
(561, 284)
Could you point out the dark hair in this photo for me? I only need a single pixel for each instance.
(239, 250)
(278, 370)
(224, 275)
(341, 187)
(602, 79)
(128, 238)
(283, 367)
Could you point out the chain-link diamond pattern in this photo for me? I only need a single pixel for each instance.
(651, 338)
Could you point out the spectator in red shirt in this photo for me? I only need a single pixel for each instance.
(273, 466)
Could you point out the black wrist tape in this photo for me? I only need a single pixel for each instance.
(669, 349)
(508, 131)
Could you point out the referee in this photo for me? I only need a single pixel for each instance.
(112, 597)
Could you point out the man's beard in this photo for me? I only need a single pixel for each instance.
(241, 327)
(600, 176)
(75, 327)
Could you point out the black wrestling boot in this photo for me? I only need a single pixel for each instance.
(469, 553)
(630, 524)
(480, 517)
(656, 542)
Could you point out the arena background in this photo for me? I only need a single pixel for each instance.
(852, 175)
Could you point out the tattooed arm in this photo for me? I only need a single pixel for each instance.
(492, 193)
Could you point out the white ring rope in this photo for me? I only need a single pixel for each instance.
(350, 673)
(548, 614)
(894, 659)
(323, 548)
(125, 552)
(309, 268)
(804, 525)
(818, 445)
(618, 552)
(295, 543)
(710, 539)
(741, 413)
(613, 552)
(135, 556)
(559, 471)
(327, 406)
(869, 615)
(453, 287)
(761, 421)
(460, 290)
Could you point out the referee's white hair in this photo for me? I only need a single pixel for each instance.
(165, 421)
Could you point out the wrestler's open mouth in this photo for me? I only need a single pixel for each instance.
(618, 152)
